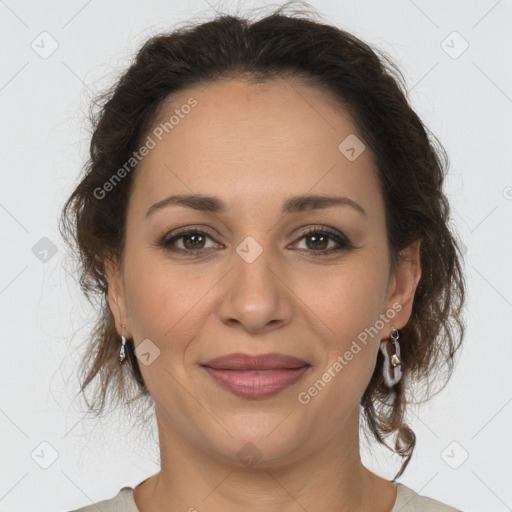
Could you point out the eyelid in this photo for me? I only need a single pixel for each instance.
(165, 241)
(339, 237)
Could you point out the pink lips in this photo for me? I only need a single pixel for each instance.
(256, 376)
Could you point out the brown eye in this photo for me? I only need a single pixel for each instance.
(317, 241)
(191, 242)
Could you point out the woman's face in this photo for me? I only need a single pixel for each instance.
(258, 283)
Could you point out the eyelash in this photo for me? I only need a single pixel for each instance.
(166, 242)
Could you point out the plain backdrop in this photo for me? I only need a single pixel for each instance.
(56, 55)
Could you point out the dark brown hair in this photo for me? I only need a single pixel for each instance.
(411, 167)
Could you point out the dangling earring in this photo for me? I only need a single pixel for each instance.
(122, 355)
(392, 368)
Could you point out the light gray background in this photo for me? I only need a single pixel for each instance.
(466, 101)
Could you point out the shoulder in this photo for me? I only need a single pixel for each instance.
(408, 500)
(122, 502)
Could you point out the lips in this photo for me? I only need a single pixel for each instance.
(257, 376)
(245, 362)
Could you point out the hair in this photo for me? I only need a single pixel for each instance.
(411, 165)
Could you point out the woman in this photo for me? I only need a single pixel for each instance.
(263, 214)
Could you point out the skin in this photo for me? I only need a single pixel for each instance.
(254, 146)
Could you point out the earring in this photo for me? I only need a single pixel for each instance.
(122, 355)
(392, 368)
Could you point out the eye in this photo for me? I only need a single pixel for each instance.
(191, 241)
(320, 238)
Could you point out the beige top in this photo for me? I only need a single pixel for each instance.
(406, 501)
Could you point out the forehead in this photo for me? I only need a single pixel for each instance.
(241, 140)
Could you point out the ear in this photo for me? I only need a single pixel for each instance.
(403, 283)
(116, 296)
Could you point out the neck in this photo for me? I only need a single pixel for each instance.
(193, 478)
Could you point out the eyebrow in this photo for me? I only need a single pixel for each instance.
(291, 205)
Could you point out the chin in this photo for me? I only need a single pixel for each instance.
(258, 441)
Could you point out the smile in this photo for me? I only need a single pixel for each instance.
(256, 383)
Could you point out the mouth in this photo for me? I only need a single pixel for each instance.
(257, 376)
(245, 362)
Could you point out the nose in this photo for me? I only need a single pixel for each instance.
(255, 295)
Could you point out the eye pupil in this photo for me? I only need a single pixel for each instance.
(317, 238)
(193, 242)
(195, 237)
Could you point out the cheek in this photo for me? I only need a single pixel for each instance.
(350, 307)
(350, 354)
(345, 299)
(363, 296)
(166, 307)
(164, 303)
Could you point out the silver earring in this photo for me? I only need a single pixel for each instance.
(122, 355)
(392, 368)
